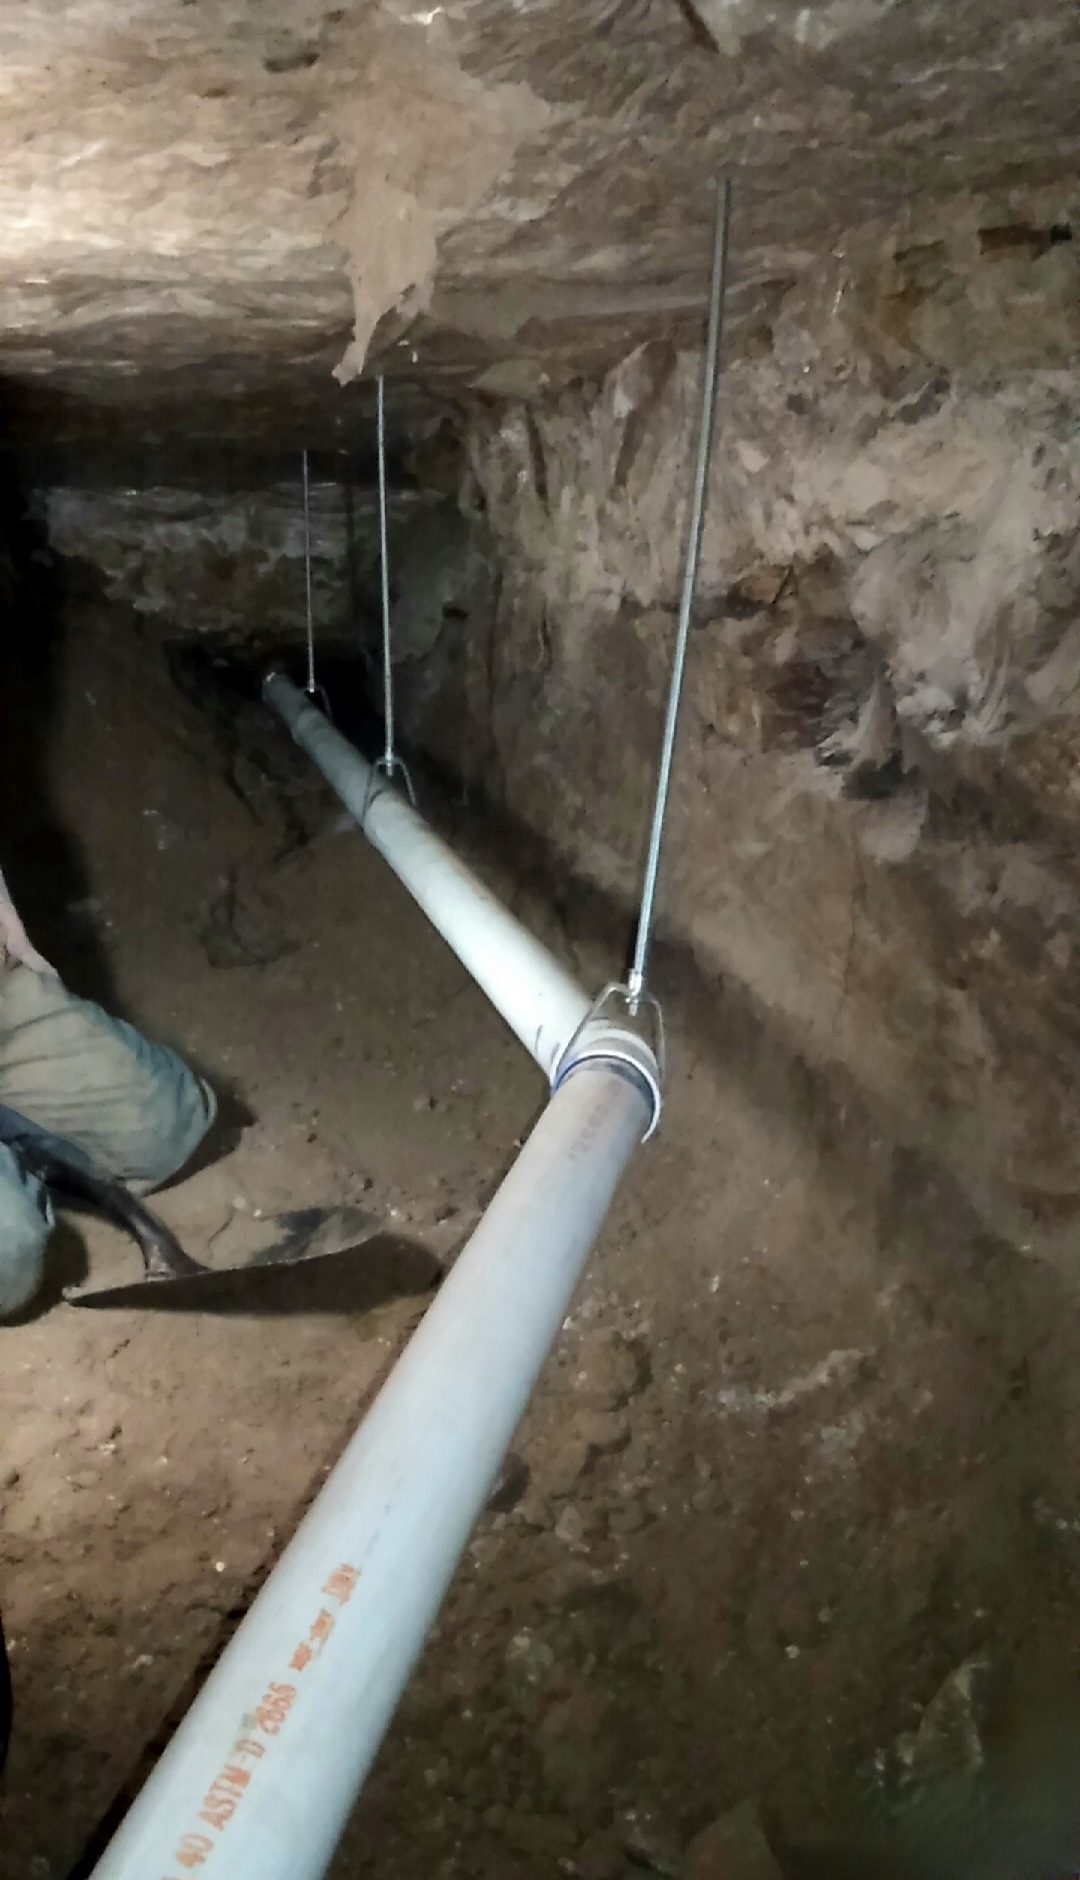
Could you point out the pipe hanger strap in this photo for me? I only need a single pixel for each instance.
(620, 1042)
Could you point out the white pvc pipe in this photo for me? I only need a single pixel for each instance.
(259, 1780)
(539, 1000)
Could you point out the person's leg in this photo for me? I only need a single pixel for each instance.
(25, 1221)
(95, 1082)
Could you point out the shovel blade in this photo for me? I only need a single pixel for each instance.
(300, 1237)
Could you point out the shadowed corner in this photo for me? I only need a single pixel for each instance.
(988, 1788)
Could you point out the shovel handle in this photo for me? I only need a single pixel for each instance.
(71, 1176)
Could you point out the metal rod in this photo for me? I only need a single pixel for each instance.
(311, 687)
(384, 566)
(717, 293)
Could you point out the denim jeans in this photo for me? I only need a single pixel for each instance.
(134, 1108)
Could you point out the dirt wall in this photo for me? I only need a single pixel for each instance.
(874, 818)
(230, 564)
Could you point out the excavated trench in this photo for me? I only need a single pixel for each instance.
(786, 1552)
(806, 1445)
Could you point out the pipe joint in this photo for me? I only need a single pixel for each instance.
(619, 1040)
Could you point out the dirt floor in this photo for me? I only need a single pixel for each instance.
(810, 1437)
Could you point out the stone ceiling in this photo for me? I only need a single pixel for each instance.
(209, 207)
